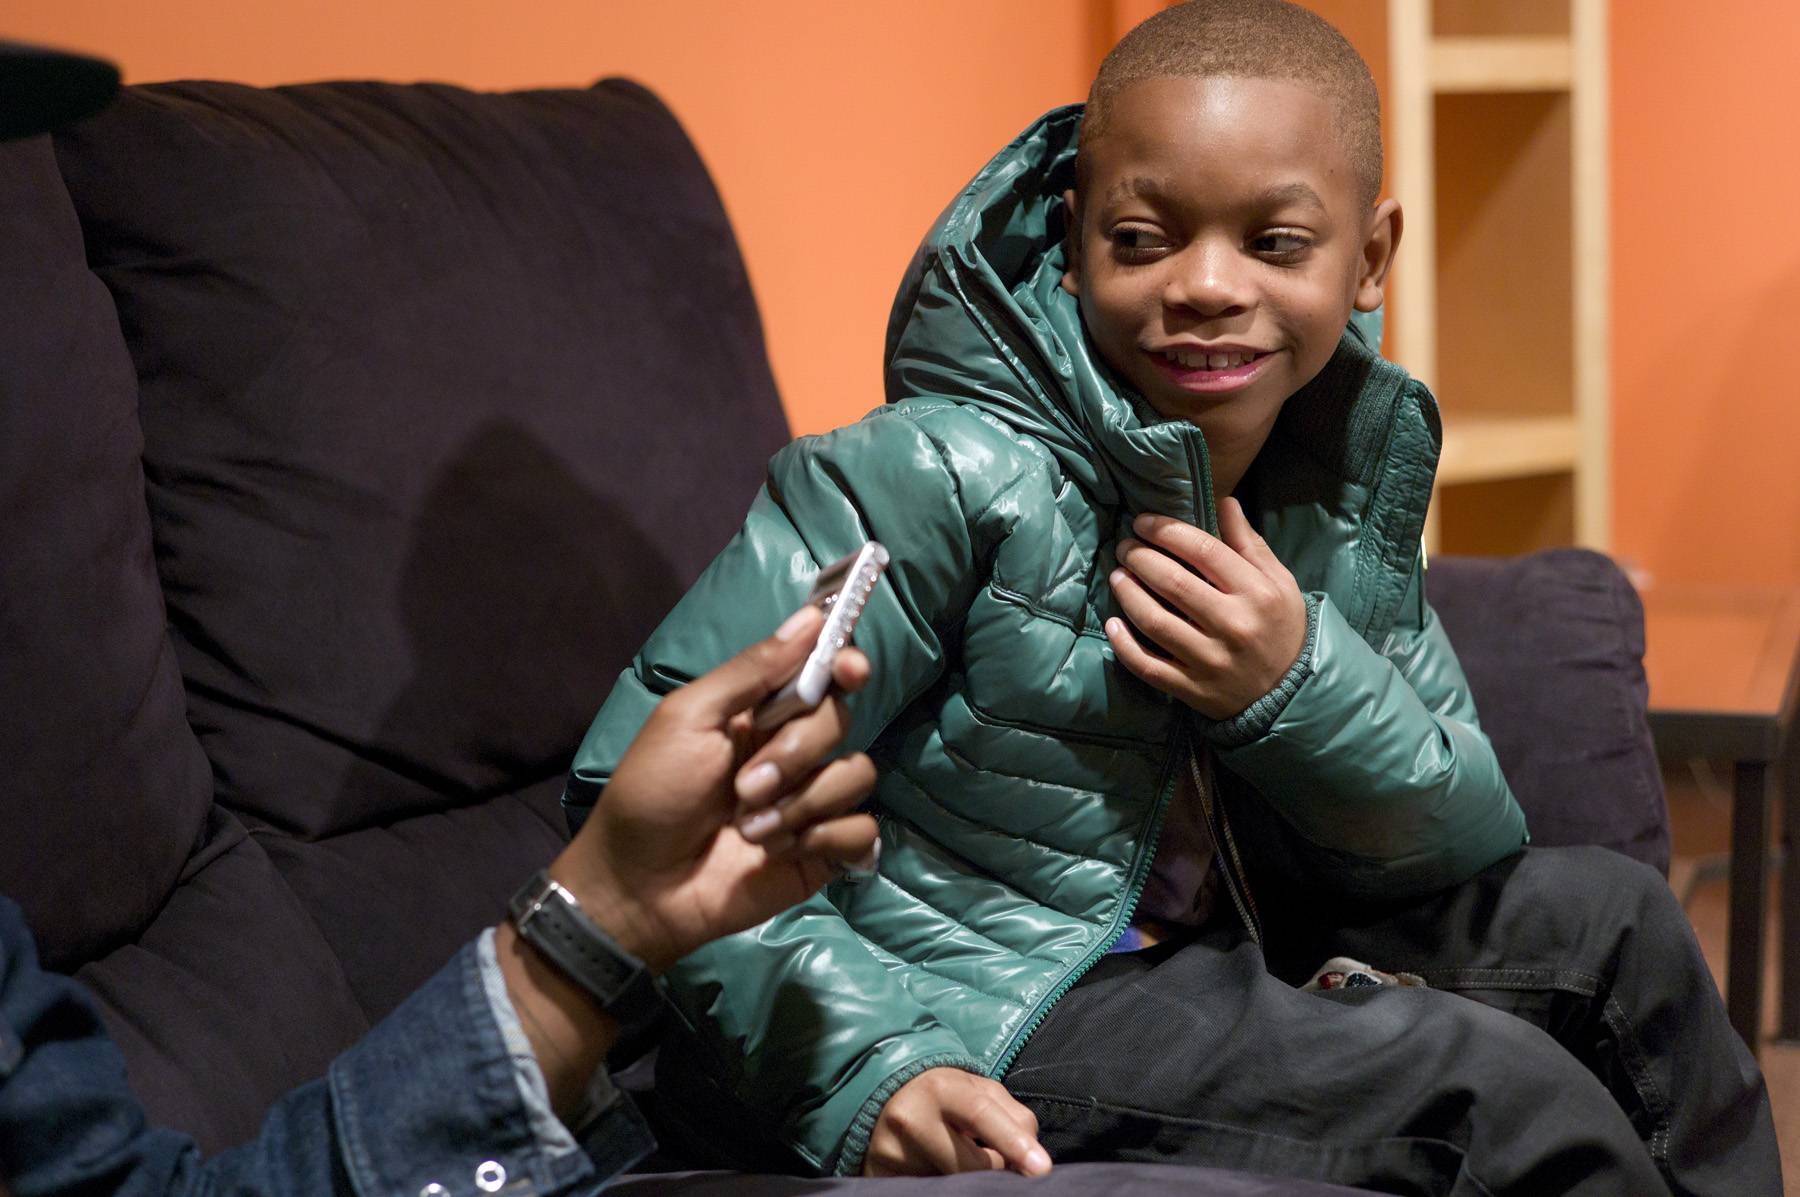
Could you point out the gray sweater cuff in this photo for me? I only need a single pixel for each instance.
(1255, 720)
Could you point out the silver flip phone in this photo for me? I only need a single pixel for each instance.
(840, 591)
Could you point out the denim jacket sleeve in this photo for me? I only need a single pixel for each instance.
(431, 1101)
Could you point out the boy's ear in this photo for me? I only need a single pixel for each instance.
(1379, 245)
(1071, 244)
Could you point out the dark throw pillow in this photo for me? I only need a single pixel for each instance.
(1553, 644)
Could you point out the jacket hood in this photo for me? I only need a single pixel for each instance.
(981, 317)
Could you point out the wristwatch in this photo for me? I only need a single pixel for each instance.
(549, 918)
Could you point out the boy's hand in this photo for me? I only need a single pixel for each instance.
(1227, 613)
(946, 1120)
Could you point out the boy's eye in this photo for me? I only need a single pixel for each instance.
(1280, 245)
(1136, 241)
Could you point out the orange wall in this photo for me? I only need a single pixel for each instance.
(1706, 289)
(836, 131)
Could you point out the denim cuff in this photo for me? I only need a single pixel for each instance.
(1255, 720)
(432, 1102)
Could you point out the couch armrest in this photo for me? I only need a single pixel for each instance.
(1553, 645)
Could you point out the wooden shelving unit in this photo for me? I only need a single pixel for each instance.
(1498, 141)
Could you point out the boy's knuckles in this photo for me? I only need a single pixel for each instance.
(1234, 629)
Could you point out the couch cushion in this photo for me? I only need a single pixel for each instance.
(396, 901)
(1066, 1180)
(1553, 645)
(229, 999)
(101, 774)
(447, 397)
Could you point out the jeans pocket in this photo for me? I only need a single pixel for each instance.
(1595, 1029)
(1087, 1131)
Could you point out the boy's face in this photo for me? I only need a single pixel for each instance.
(1223, 243)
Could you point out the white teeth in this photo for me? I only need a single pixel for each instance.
(1195, 360)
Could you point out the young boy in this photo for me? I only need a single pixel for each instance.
(1156, 673)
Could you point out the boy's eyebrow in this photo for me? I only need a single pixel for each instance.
(1290, 193)
(1280, 195)
(1135, 186)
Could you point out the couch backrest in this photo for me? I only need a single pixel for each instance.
(351, 438)
(445, 398)
(103, 787)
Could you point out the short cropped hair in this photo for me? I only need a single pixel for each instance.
(1250, 39)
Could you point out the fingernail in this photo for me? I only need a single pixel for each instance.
(864, 867)
(1037, 1160)
(1116, 576)
(758, 784)
(792, 625)
(757, 827)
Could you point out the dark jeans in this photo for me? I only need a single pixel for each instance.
(1572, 1041)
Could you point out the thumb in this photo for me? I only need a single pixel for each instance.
(755, 673)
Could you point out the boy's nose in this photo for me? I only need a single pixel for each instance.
(1208, 279)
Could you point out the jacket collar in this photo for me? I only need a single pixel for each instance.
(981, 318)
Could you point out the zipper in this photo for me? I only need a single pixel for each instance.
(1237, 881)
(1140, 876)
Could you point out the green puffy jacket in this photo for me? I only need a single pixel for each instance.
(1023, 771)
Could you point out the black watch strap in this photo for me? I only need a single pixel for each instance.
(549, 918)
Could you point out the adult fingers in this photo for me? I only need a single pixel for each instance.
(989, 1114)
(831, 791)
(850, 670)
(793, 752)
(849, 842)
(752, 675)
(1216, 561)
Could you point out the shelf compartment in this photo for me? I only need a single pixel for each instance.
(1507, 517)
(1486, 448)
(1501, 64)
(1503, 242)
(1498, 18)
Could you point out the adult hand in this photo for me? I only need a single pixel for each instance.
(1225, 610)
(670, 859)
(661, 864)
(946, 1120)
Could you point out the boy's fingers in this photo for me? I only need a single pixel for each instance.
(753, 674)
(1171, 631)
(1235, 530)
(1216, 561)
(1161, 674)
(1185, 590)
(949, 1152)
(973, 1157)
(792, 752)
(984, 1113)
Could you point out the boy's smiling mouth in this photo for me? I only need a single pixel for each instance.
(1210, 369)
